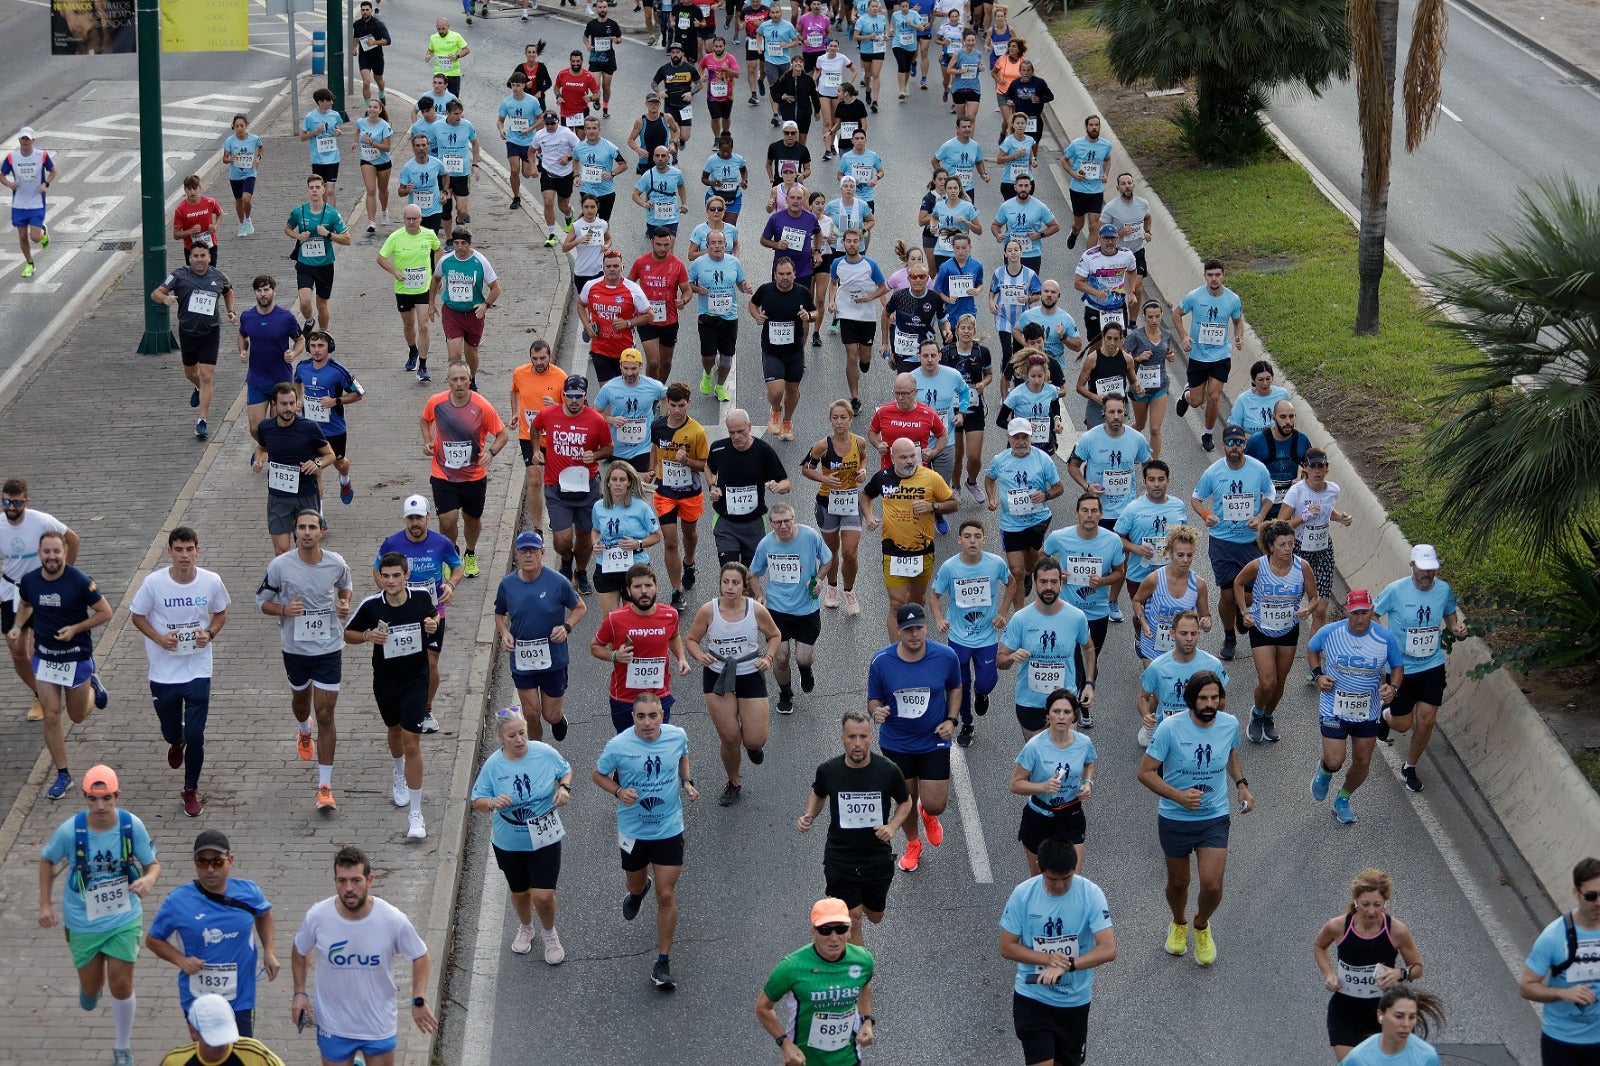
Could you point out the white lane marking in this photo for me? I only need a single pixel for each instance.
(1449, 112)
(42, 282)
(971, 824)
(73, 308)
(478, 1043)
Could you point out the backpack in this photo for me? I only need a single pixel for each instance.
(1571, 930)
(79, 879)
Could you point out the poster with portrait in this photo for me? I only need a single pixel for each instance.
(91, 27)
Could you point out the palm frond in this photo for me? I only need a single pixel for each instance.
(1374, 93)
(1424, 82)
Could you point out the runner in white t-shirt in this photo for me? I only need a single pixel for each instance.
(19, 556)
(180, 609)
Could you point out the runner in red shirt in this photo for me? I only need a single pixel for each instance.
(665, 281)
(455, 424)
(576, 92)
(636, 640)
(195, 219)
(570, 441)
(907, 417)
(615, 307)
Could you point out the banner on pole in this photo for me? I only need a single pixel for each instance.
(91, 27)
(205, 25)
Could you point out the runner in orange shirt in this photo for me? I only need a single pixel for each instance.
(534, 387)
(454, 426)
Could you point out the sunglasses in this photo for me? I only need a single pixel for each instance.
(216, 864)
(1589, 897)
(1234, 442)
(13, 503)
(834, 929)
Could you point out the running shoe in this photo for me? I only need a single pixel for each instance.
(833, 326)
(522, 943)
(786, 432)
(851, 605)
(946, 97)
(773, 425)
(785, 700)
(568, 224)
(417, 829)
(902, 96)
(677, 599)
(1270, 728)
(550, 241)
(411, 359)
(661, 976)
(399, 791)
(730, 795)
(980, 704)
(1342, 811)
(44, 238)
(975, 494)
(1182, 406)
(175, 755)
(59, 788)
(1085, 719)
(830, 596)
(605, 112)
(516, 203)
(430, 724)
(554, 953)
(121, 1057)
(1205, 948)
(722, 394)
(1072, 239)
(808, 679)
(757, 755)
(194, 398)
(1177, 940)
(191, 802)
(27, 270)
(1144, 736)
(690, 575)
(559, 730)
(86, 1001)
(707, 383)
(873, 104)
(1116, 612)
(101, 696)
(1230, 645)
(469, 564)
(1408, 775)
(584, 588)
(372, 227)
(941, 524)
(422, 373)
(1320, 783)
(201, 430)
(924, 85)
(304, 746)
(931, 826)
(913, 856)
(855, 405)
(245, 229)
(752, 99)
(36, 712)
(347, 492)
(774, 120)
(325, 800)
(761, 85)
(964, 737)
(1207, 443)
(1254, 730)
(632, 903)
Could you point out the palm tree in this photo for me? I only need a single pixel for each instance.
(1373, 26)
(1519, 446)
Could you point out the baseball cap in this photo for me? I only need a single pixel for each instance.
(101, 780)
(823, 912)
(631, 355)
(212, 840)
(1234, 429)
(1108, 230)
(1358, 600)
(212, 1018)
(910, 614)
(416, 504)
(652, 98)
(529, 538)
(1019, 425)
(1425, 557)
(1315, 455)
(549, 118)
(791, 125)
(26, 131)
(576, 385)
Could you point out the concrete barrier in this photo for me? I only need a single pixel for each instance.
(1545, 804)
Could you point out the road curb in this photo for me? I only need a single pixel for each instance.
(1544, 804)
(1544, 51)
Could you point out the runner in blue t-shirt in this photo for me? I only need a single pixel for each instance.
(1093, 565)
(327, 387)
(790, 558)
(969, 591)
(270, 339)
(1048, 641)
(1562, 971)
(628, 404)
(1357, 665)
(535, 610)
(1020, 482)
(1214, 311)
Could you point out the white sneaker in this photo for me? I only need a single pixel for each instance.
(830, 596)
(851, 605)
(522, 943)
(430, 724)
(244, 230)
(399, 792)
(1144, 736)
(418, 829)
(554, 953)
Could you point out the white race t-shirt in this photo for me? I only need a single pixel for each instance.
(171, 607)
(19, 544)
(355, 990)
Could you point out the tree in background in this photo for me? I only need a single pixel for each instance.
(1373, 28)
(1234, 51)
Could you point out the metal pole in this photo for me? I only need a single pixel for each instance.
(294, 74)
(337, 32)
(158, 338)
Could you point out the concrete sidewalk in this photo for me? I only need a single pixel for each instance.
(1567, 31)
(105, 439)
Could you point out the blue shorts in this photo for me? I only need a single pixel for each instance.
(257, 393)
(1180, 839)
(518, 151)
(27, 216)
(80, 673)
(977, 668)
(552, 683)
(1339, 729)
(344, 1049)
(622, 712)
(733, 201)
(1228, 558)
(323, 671)
(242, 186)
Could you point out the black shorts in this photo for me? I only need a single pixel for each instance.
(1198, 373)
(1031, 719)
(1086, 203)
(1228, 558)
(1339, 729)
(1351, 1020)
(402, 706)
(8, 616)
(1553, 1052)
(922, 765)
(317, 278)
(903, 58)
(1290, 639)
(781, 365)
(1066, 824)
(1050, 1034)
(665, 852)
(405, 301)
(603, 66)
(468, 496)
(435, 643)
(381, 168)
(560, 184)
(719, 337)
(518, 151)
(1425, 686)
(751, 686)
(665, 335)
(552, 683)
(199, 349)
(337, 442)
(372, 61)
(617, 581)
(965, 96)
(435, 223)
(1138, 258)
(1023, 540)
(460, 185)
(853, 332)
(719, 109)
(1180, 839)
(328, 172)
(859, 886)
(529, 869)
(800, 628)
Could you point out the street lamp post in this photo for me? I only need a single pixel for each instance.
(158, 338)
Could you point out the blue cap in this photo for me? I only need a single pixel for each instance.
(529, 539)
(1108, 230)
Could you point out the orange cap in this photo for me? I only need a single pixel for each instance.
(828, 910)
(101, 780)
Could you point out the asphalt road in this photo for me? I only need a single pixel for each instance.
(942, 994)
(1507, 118)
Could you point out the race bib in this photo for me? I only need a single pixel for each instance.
(206, 239)
(686, 114)
(601, 45)
(368, 43)
(780, 332)
(51, 672)
(1056, 945)
(1045, 676)
(831, 1030)
(960, 285)
(217, 979)
(442, 63)
(969, 72)
(1091, 170)
(457, 454)
(327, 144)
(531, 656)
(647, 674)
(1361, 982)
(108, 899)
(317, 413)
(847, 130)
(574, 121)
(284, 477)
(244, 160)
(905, 565)
(1040, 430)
(188, 634)
(971, 592)
(1353, 706)
(1584, 970)
(845, 502)
(813, 40)
(369, 153)
(1117, 482)
(718, 90)
(728, 186)
(424, 588)
(1032, 123)
(1013, 294)
(1020, 501)
(423, 199)
(785, 569)
(676, 475)
(313, 248)
(1213, 334)
(1422, 643)
(1164, 637)
(1112, 318)
(831, 79)
(546, 829)
(573, 479)
(1106, 386)
(403, 640)
(615, 560)
(965, 174)
(202, 302)
(26, 171)
(906, 344)
(905, 39)
(633, 431)
(1157, 544)
(314, 626)
(860, 810)
(455, 164)
(794, 239)
(1149, 376)
(1238, 506)
(1314, 538)
(658, 312)
(912, 702)
(1275, 614)
(414, 277)
(593, 174)
(720, 303)
(740, 499)
(864, 173)
(1081, 569)
(517, 124)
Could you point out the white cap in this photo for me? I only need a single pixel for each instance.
(1019, 425)
(1425, 557)
(414, 505)
(212, 1018)
(792, 125)
(26, 131)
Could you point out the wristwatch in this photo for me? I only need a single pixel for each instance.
(419, 1002)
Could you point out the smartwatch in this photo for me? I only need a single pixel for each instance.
(419, 1002)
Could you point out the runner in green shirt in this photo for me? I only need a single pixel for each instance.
(316, 226)
(828, 982)
(408, 254)
(445, 49)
